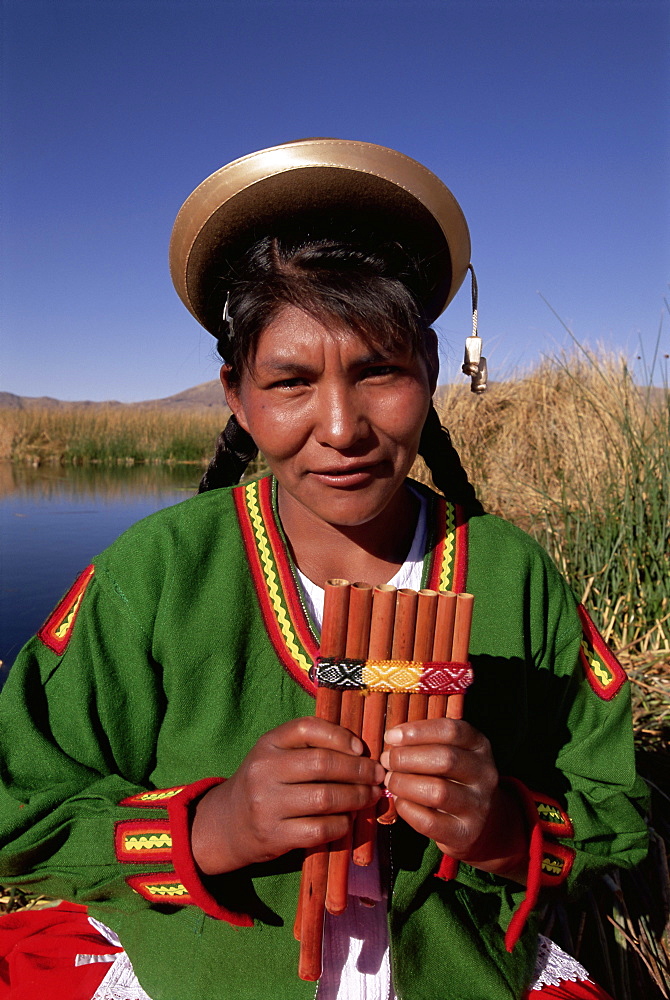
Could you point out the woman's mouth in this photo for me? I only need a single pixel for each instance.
(346, 476)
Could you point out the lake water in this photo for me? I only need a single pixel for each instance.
(53, 520)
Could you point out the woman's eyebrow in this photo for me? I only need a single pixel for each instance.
(290, 367)
(274, 365)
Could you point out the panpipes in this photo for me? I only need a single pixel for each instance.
(387, 656)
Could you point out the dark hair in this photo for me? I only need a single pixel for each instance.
(371, 289)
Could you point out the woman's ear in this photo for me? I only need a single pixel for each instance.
(231, 390)
(432, 358)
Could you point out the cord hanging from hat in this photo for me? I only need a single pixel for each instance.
(474, 364)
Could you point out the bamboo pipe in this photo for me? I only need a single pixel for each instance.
(397, 704)
(460, 648)
(351, 717)
(313, 886)
(423, 648)
(444, 634)
(374, 716)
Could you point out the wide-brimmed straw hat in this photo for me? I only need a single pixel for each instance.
(302, 185)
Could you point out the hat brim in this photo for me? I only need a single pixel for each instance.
(373, 188)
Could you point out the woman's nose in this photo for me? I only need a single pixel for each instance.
(341, 422)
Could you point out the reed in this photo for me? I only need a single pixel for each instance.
(112, 435)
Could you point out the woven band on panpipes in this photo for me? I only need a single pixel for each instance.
(387, 656)
(388, 676)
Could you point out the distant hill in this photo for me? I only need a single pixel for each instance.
(205, 395)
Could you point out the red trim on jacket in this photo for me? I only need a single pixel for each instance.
(187, 871)
(260, 586)
(553, 818)
(140, 841)
(461, 553)
(57, 629)
(607, 677)
(549, 863)
(288, 582)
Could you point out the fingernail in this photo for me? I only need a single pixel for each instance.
(384, 759)
(393, 736)
(388, 778)
(356, 745)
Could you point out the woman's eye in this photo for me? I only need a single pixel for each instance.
(288, 383)
(380, 371)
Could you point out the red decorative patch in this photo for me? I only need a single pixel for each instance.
(603, 671)
(553, 818)
(451, 563)
(154, 798)
(140, 841)
(162, 887)
(556, 863)
(57, 629)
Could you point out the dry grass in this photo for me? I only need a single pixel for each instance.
(78, 435)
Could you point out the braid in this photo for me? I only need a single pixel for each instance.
(234, 450)
(442, 459)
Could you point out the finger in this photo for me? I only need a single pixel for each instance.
(312, 831)
(433, 793)
(317, 764)
(312, 732)
(450, 831)
(327, 799)
(455, 732)
(441, 760)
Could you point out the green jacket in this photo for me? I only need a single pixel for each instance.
(184, 643)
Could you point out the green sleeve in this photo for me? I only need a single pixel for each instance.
(80, 717)
(77, 736)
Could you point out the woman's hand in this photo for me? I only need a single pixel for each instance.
(447, 787)
(295, 788)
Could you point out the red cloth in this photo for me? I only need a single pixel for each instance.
(583, 990)
(38, 950)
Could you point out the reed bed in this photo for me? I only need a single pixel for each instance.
(107, 434)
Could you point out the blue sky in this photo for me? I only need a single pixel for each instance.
(549, 121)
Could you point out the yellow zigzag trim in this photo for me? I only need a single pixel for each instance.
(601, 671)
(159, 795)
(283, 620)
(552, 866)
(549, 813)
(449, 545)
(146, 842)
(64, 626)
(168, 889)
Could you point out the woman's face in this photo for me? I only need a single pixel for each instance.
(338, 422)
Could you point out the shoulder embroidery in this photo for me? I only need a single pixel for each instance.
(603, 671)
(275, 586)
(57, 629)
(448, 555)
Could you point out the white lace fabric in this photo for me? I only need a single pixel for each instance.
(120, 981)
(554, 966)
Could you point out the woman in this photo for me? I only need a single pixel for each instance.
(183, 651)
